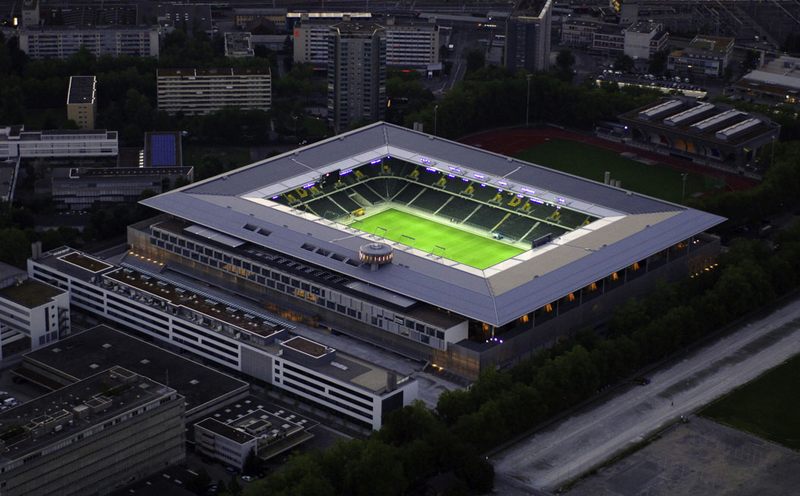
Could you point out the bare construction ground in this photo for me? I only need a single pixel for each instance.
(699, 458)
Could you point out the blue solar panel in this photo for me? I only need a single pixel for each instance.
(162, 150)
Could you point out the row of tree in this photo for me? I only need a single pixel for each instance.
(494, 97)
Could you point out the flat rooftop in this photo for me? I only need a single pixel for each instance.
(714, 44)
(83, 354)
(30, 293)
(110, 388)
(81, 89)
(214, 72)
(307, 346)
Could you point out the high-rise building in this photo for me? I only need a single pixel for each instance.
(202, 91)
(528, 37)
(82, 101)
(356, 74)
(91, 437)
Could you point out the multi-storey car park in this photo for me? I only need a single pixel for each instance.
(427, 247)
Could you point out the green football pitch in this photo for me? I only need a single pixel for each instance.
(460, 246)
(591, 162)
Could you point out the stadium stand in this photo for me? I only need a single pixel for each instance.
(408, 193)
(325, 208)
(515, 226)
(430, 200)
(368, 193)
(486, 217)
(457, 209)
(341, 198)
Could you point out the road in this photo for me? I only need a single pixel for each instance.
(587, 439)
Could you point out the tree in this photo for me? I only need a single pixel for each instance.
(565, 60)
(15, 247)
(199, 483)
(475, 60)
(252, 464)
(658, 62)
(624, 63)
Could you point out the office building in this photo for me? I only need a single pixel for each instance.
(189, 17)
(202, 91)
(60, 42)
(577, 32)
(283, 232)
(32, 313)
(79, 356)
(81, 188)
(609, 39)
(703, 132)
(705, 57)
(644, 38)
(776, 82)
(231, 434)
(356, 74)
(228, 332)
(528, 37)
(92, 437)
(82, 101)
(16, 143)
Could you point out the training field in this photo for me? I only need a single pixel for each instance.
(591, 162)
(460, 246)
(768, 406)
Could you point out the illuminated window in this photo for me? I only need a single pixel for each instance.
(548, 308)
(593, 287)
(524, 319)
(636, 266)
(614, 276)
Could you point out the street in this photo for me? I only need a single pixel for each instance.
(584, 441)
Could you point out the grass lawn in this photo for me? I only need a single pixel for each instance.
(768, 407)
(591, 162)
(461, 246)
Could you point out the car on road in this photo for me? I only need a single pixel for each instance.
(247, 478)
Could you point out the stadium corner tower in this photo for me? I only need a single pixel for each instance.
(424, 246)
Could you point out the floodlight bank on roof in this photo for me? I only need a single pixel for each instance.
(737, 128)
(716, 119)
(651, 112)
(676, 119)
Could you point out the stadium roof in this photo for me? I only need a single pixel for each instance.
(630, 226)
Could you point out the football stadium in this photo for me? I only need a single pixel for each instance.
(431, 248)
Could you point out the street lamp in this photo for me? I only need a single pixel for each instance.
(435, 119)
(528, 104)
(683, 189)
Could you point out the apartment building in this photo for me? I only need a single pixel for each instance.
(60, 42)
(408, 44)
(202, 91)
(82, 101)
(356, 74)
(528, 37)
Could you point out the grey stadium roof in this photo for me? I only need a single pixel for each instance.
(636, 227)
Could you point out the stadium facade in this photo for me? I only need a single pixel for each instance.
(280, 231)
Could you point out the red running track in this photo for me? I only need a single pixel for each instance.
(513, 141)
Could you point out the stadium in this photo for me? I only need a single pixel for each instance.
(428, 247)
